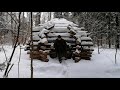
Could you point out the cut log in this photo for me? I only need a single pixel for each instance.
(60, 29)
(68, 40)
(36, 37)
(37, 28)
(86, 58)
(86, 39)
(84, 43)
(56, 34)
(35, 53)
(77, 59)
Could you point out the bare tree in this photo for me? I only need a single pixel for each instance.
(49, 16)
(8, 64)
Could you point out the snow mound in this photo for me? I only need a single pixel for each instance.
(114, 71)
(51, 70)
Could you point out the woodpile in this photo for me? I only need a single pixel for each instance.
(44, 37)
(41, 55)
(76, 55)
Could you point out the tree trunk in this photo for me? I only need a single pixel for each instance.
(49, 16)
(101, 40)
(19, 62)
(31, 48)
(98, 46)
(118, 41)
(109, 42)
(39, 16)
(12, 28)
(116, 46)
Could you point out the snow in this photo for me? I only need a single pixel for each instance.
(36, 37)
(49, 24)
(81, 33)
(86, 38)
(63, 21)
(86, 43)
(43, 40)
(38, 28)
(35, 43)
(35, 33)
(77, 51)
(101, 66)
(65, 38)
(60, 29)
(62, 34)
(43, 31)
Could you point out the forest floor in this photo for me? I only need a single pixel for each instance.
(100, 66)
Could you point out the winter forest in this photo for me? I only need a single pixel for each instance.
(29, 47)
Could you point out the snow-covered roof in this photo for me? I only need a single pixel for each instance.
(62, 21)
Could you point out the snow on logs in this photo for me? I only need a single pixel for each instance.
(51, 35)
(86, 39)
(43, 32)
(36, 38)
(76, 54)
(81, 33)
(38, 28)
(84, 43)
(60, 30)
(48, 32)
(69, 40)
(41, 55)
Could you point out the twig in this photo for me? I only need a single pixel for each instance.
(12, 18)
(4, 53)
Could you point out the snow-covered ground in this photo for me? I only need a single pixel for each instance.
(101, 66)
